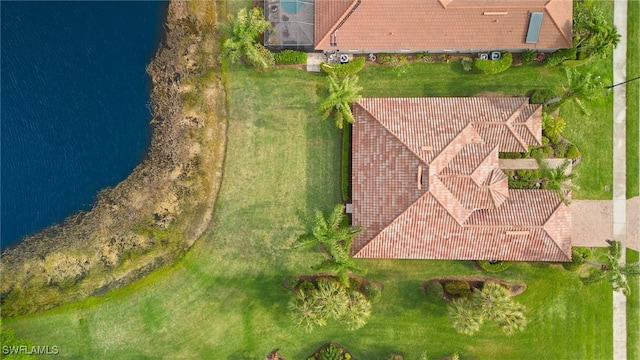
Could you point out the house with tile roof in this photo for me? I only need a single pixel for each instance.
(426, 182)
(466, 26)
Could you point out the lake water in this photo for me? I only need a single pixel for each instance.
(73, 111)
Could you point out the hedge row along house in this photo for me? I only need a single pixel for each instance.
(426, 182)
(437, 26)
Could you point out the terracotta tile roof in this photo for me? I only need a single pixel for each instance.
(436, 25)
(427, 185)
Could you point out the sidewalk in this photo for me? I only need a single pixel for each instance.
(620, 172)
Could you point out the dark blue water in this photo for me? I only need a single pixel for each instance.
(74, 95)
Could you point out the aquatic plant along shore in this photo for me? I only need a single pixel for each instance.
(151, 218)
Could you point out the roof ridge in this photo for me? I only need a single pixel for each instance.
(427, 193)
(392, 132)
(484, 159)
(509, 123)
(555, 241)
(340, 20)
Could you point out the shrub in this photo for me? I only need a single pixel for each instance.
(306, 286)
(291, 57)
(510, 155)
(561, 148)
(572, 152)
(547, 151)
(545, 140)
(467, 63)
(343, 70)
(543, 96)
(434, 291)
(394, 357)
(425, 56)
(554, 138)
(557, 57)
(528, 56)
(541, 56)
(372, 293)
(495, 267)
(493, 66)
(457, 287)
(577, 260)
(354, 283)
(445, 58)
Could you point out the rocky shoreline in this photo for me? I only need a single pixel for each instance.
(155, 215)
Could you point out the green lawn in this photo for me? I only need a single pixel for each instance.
(225, 299)
(633, 98)
(633, 312)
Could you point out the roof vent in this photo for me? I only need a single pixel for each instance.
(490, 13)
(419, 177)
(535, 24)
(426, 148)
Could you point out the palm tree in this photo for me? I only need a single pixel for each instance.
(613, 271)
(556, 179)
(335, 238)
(342, 93)
(242, 41)
(553, 127)
(464, 316)
(581, 87)
(593, 35)
(357, 311)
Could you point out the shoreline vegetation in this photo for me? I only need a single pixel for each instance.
(155, 215)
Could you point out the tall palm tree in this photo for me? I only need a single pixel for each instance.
(612, 270)
(242, 41)
(581, 87)
(556, 179)
(342, 93)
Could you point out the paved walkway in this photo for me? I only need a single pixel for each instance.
(620, 172)
(592, 222)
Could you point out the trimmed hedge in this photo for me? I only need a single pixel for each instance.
(346, 146)
(457, 287)
(573, 152)
(494, 268)
(557, 57)
(290, 57)
(543, 96)
(434, 291)
(493, 66)
(343, 70)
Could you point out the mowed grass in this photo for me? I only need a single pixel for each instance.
(225, 298)
(633, 98)
(633, 311)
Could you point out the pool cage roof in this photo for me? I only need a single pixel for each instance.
(291, 24)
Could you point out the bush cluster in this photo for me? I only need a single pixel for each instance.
(343, 70)
(557, 57)
(528, 56)
(495, 267)
(493, 66)
(372, 293)
(561, 148)
(290, 57)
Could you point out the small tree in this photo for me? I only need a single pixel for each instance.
(242, 42)
(612, 270)
(343, 92)
(335, 238)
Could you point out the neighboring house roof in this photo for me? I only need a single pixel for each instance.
(426, 182)
(436, 25)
